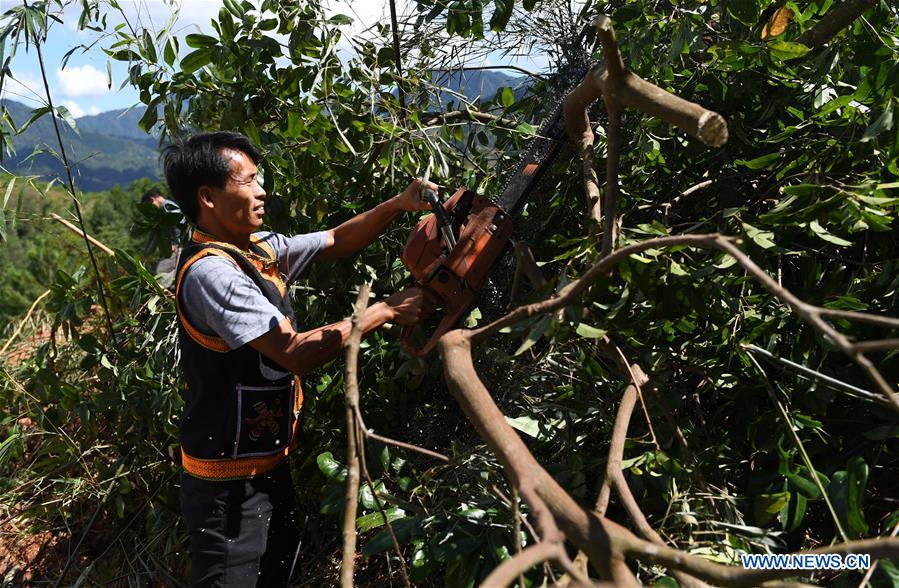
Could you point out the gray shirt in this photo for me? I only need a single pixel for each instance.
(220, 300)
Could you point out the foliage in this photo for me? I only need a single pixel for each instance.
(808, 178)
(35, 245)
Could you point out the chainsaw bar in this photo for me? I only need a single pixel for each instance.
(540, 154)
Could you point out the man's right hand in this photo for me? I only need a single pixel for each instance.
(409, 306)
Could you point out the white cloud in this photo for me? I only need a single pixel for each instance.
(85, 80)
(94, 110)
(74, 108)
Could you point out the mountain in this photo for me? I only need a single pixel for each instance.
(118, 123)
(103, 153)
(477, 83)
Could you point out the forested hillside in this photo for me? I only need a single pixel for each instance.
(686, 355)
(100, 157)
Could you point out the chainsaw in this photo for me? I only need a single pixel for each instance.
(450, 252)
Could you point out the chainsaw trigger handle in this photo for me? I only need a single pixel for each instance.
(442, 221)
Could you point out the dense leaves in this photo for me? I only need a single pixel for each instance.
(808, 179)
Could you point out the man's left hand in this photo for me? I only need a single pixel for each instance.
(410, 200)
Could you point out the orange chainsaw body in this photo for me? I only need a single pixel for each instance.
(482, 230)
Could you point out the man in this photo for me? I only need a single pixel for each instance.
(242, 355)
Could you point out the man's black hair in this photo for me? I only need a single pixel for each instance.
(198, 161)
(151, 193)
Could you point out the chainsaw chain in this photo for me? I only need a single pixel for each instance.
(552, 130)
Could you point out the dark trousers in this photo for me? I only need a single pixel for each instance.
(242, 532)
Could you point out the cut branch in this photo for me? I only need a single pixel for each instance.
(620, 89)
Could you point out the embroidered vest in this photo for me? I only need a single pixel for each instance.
(241, 410)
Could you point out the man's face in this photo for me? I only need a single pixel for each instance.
(240, 204)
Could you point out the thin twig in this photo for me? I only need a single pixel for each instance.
(23, 321)
(839, 384)
(370, 434)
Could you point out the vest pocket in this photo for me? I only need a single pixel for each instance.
(265, 416)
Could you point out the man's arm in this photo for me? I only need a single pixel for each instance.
(361, 230)
(303, 352)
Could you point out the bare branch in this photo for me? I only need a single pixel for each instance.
(478, 116)
(606, 543)
(881, 345)
(506, 572)
(370, 434)
(351, 497)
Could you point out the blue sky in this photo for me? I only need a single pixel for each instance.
(83, 86)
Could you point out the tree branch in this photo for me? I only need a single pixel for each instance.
(809, 313)
(478, 116)
(351, 498)
(834, 21)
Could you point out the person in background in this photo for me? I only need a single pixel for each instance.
(165, 267)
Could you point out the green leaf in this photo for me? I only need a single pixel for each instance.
(507, 98)
(760, 162)
(821, 232)
(785, 50)
(745, 11)
(803, 485)
(375, 519)
(330, 467)
(295, 124)
(169, 53)
(198, 41)
(196, 59)
(149, 118)
(858, 480)
(526, 425)
(763, 239)
(341, 19)
(765, 506)
(502, 11)
(883, 123)
(585, 330)
(677, 270)
(793, 513)
(534, 334)
(847, 493)
(67, 117)
(35, 114)
(454, 548)
(404, 529)
(526, 129)
(3, 227)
